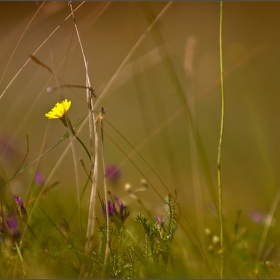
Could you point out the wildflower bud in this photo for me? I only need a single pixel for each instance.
(18, 200)
(113, 173)
(38, 178)
(127, 187)
(49, 89)
(144, 183)
(132, 195)
(208, 231)
(215, 239)
(221, 251)
(160, 221)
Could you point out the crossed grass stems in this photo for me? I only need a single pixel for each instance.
(94, 119)
(59, 111)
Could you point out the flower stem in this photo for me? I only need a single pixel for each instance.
(68, 124)
(220, 147)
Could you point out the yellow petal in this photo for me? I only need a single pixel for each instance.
(59, 110)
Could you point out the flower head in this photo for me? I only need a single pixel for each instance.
(18, 200)
(10, 227)
(160, 221)
(59, 110)
(257, 217)
(13, 224)
(121, 214)
(111, 208)
(38, 178)
(113, 173)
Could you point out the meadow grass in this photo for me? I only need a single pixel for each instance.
(111, 126)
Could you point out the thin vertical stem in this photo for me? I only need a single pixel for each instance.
(94, 157)
(105, 196)
(220, 146)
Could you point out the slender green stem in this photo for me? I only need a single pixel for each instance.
(21, 259)
(220, 146)
(66, 122)
(27, 151)
(106, 201)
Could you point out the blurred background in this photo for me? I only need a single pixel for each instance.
(165, 100)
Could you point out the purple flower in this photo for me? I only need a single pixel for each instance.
(111, 208)
(121, 214)
(113, 173)
(9, 227)
(38, 178)
(160, 221)
(257, 217)
(18, 200)
(13, 224)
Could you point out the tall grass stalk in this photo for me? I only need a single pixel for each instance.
(94, 157)
(221, 145)
(21, 259)
(105, 194)
(267, 225)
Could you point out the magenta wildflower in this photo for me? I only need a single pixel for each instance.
(13, 224)
(111, 208)
(113, 174)
(10, 227)
(121, 213)
(257, 217)
(160, 221)
(38, 178)
(18, 200)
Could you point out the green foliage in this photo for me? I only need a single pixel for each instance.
(158, 237)
(127, 259)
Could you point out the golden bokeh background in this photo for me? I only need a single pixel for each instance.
(174, 67)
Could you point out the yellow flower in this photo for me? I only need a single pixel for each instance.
(59, 110)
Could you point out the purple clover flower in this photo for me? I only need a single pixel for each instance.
(18, 200)
(113, 174)
(160, 221)
(10, 227)
(39, 179)
(257, 217)
(13, 224)
(121, 213)
(111, 208)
